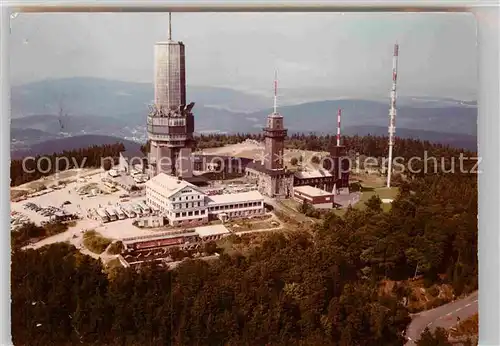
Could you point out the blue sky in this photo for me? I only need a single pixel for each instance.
(348, 54)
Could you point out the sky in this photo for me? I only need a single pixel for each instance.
(345, 54)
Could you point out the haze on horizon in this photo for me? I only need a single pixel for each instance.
(340, 55)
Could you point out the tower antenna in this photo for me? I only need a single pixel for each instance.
(392, 112)
(339, 114)
(275, 91)
(170, 26)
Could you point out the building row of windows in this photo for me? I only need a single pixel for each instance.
(154, 193)
(202, 212)
(187, 205)
(155, 203)
(157, 194)
(244, 213)
(177, 214)
(301, 196)
(187, 198)
(169, 137)
(168, 122)
(235, 206)
(307, 181)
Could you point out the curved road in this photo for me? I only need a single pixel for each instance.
(444, 316)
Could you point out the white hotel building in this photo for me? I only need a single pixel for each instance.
(184, 203)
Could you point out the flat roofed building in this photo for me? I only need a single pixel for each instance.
(212, 232)
(234, 205)
(164, 239)
(318, 198)
(320, 178)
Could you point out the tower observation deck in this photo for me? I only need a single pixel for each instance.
(170, 122)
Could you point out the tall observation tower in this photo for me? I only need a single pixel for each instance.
(170, 122)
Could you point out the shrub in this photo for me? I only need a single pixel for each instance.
(95, 242)
(434, 291)
(116, 248)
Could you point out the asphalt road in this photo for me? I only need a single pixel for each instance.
(444, 316)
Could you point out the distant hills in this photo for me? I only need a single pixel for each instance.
(456, 140)
(322, 116)
(111, 98)
(54, 109)
(71, 143)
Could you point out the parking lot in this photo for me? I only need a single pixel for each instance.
(68, 200)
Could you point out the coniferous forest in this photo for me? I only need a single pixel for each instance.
(316, 287)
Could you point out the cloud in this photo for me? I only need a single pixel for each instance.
(241, 50)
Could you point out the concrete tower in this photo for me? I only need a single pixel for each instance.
(274, 134)
(170, 122)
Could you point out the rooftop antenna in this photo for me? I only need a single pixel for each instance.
(275, 92)
(339, 113)
(392, 112)
(170, 26)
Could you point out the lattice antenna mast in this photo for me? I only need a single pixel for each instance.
(339, 114)
(392, 112)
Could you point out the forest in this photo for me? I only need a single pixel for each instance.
(375, 146)
(297, 288)
(319, 286)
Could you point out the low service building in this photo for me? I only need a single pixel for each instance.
(318, 198)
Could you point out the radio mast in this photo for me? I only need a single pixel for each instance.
(392, 112)
(339, 114)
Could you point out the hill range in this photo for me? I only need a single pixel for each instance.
(54, 109)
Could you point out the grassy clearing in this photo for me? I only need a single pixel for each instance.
(367, 193)
(291, 203)
(95, 242)
(382, 192)
(245, 225)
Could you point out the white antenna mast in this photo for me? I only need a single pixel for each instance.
(392, 112)
(339, 114)
(275, 91)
